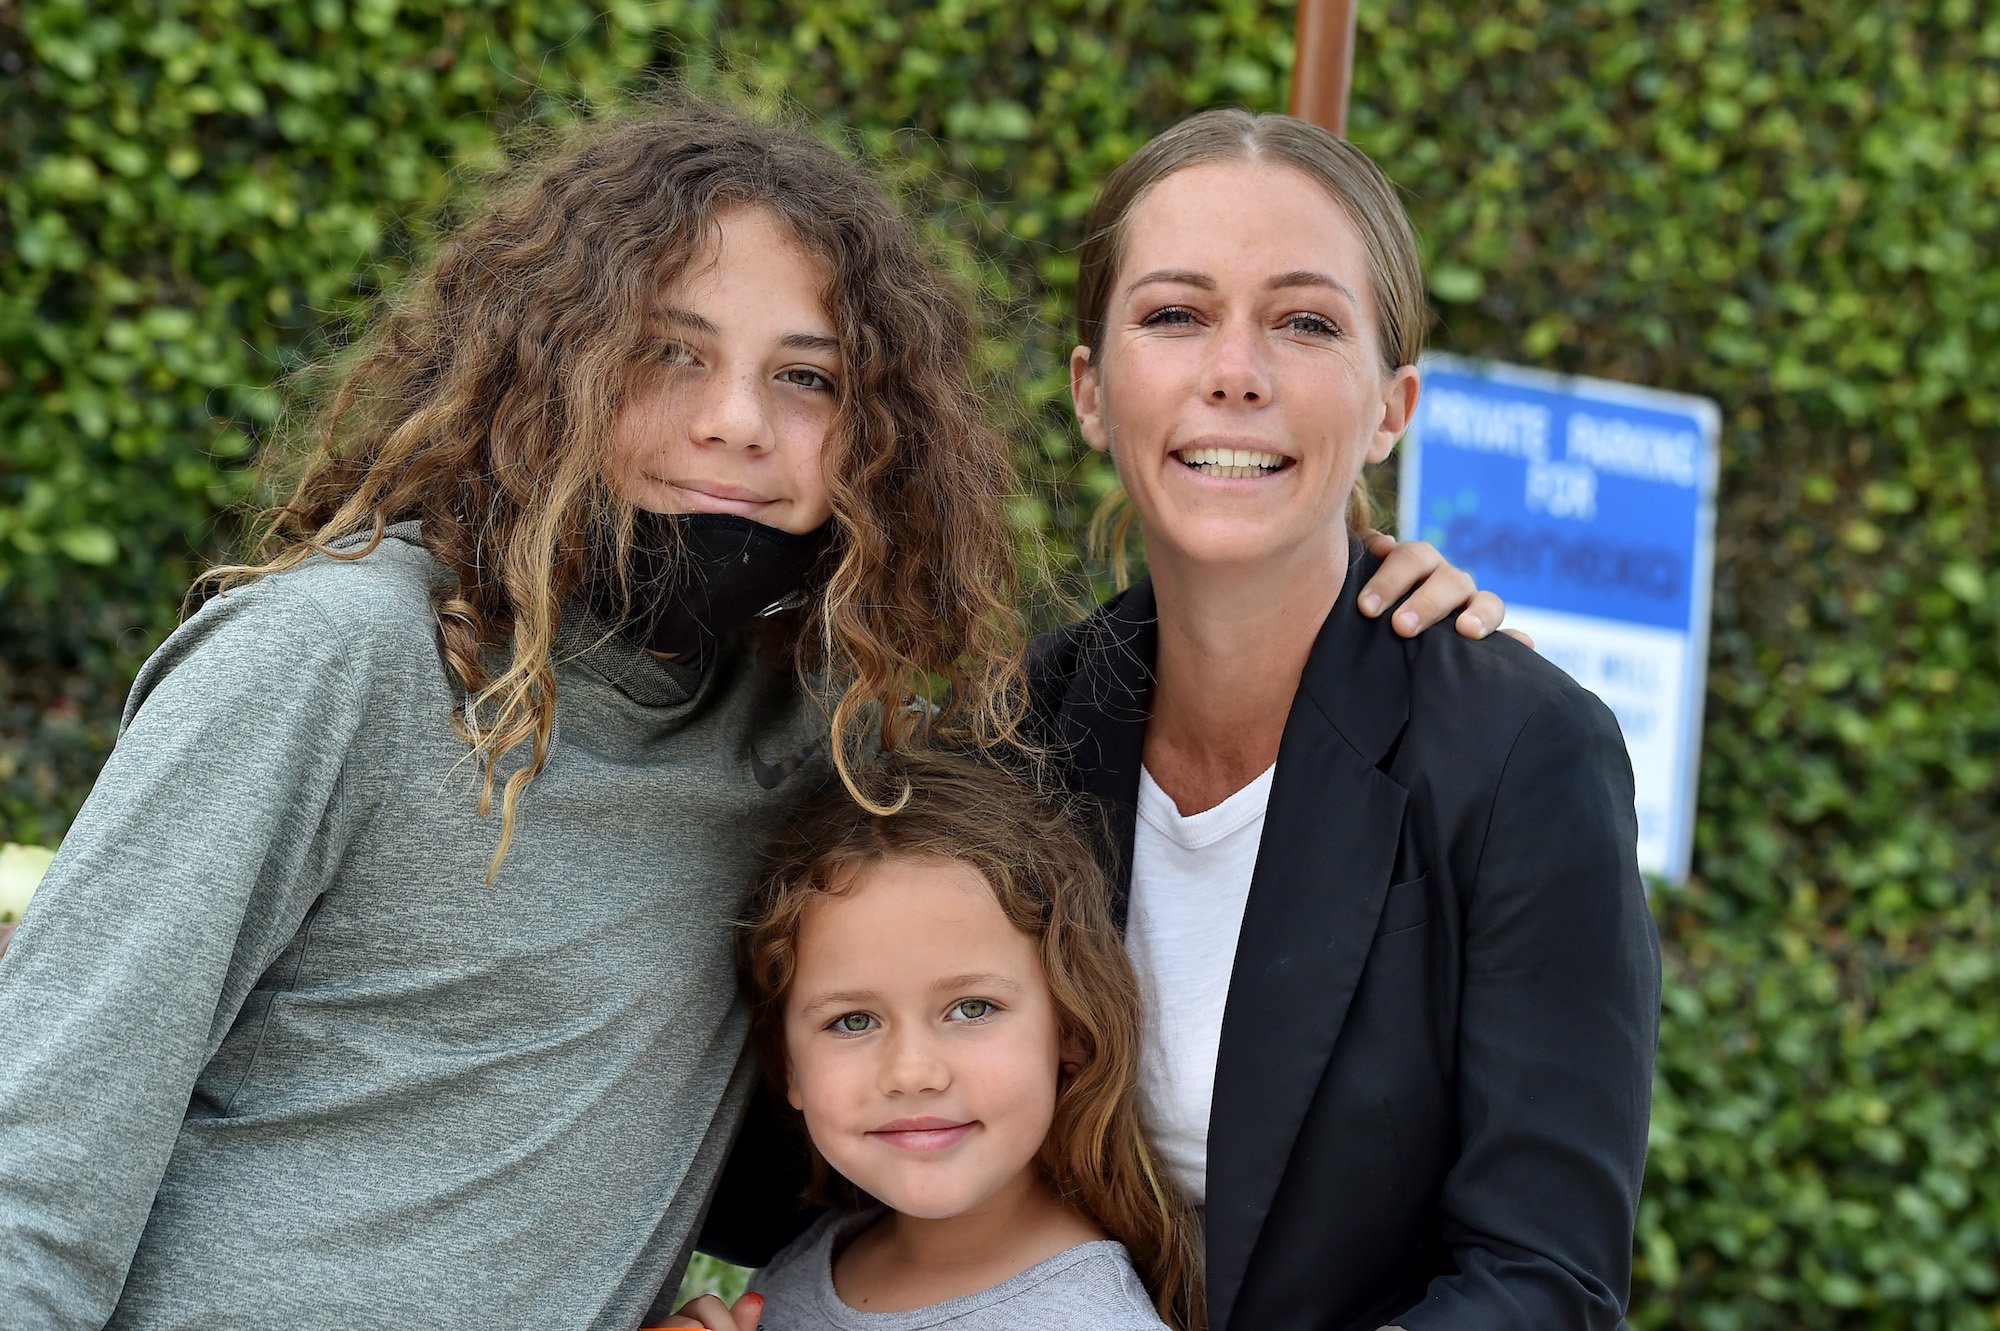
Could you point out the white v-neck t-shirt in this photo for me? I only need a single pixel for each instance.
(1190, 882)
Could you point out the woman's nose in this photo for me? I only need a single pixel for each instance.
(1235, 370)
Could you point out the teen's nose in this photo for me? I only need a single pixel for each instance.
(1235, 369)
(728, 409)
(911, 1063)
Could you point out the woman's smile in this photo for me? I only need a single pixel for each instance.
(1221, 458)
(1240, 386)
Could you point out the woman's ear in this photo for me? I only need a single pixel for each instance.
(1086, 393)
(792, 1096)
(1399, 407)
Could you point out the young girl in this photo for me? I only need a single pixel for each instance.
(943, 996)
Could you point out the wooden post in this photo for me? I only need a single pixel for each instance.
(1325, 63)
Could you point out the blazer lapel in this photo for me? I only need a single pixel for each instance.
(1323, 869)
(1103, 721)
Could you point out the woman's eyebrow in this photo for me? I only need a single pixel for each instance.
(809, 342)
(1305, 277)
(1298, 277)
(1186, 277)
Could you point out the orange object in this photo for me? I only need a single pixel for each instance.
(1324, 66)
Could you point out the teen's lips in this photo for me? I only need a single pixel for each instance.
(923, 1134)
(700, 496)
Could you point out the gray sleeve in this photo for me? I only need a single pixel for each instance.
(209, 834)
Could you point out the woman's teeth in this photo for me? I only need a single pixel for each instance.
(1234, 464)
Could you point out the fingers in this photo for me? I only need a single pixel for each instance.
(1520, 637)
(1442, 592)
(1481, 615)
(710, 1313)
(1405, 564)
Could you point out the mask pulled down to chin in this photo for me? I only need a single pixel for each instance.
(693, 578)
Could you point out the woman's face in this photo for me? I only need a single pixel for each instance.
(735, 416)
(1241, 385)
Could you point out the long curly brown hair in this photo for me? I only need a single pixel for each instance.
(1036, 856)
(481, 405)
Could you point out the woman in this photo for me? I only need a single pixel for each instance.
(1415, 1090)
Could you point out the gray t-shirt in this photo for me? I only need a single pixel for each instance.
(276, 1054)
(1091, 1287)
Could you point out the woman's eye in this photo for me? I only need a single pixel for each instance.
(1315, 325)
(971, 1009)
(676, 353)
(853, 1023)
(1172, 315)
(805, 377)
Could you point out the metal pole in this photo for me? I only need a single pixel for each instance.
(1325, 63)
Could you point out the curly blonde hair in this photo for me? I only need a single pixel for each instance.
(481, 406)
(1037, 857)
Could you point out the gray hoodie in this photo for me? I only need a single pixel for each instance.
(274, 1053)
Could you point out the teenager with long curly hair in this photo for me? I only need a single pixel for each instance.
(386, 978)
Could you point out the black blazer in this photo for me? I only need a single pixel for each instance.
(1437, 1051)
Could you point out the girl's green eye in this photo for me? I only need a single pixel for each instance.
(854, 1023)
(971, 1009)
(804, 378)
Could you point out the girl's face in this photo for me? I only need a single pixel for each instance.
(735, 416)
(921, 1040)
(1240, 386)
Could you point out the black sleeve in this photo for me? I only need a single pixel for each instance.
(1558, 1028)
(759, 1206)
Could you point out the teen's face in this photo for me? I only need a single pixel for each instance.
(1241, 384)
(921, 1039)
(735, 416)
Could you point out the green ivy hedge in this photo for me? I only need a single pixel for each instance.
(1790, 209)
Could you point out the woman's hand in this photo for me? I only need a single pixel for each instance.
(710, 1313)
(1440, 588)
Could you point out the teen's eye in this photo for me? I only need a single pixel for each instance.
(804, 376)
(1171, 316)
(972, 1009)
(1313, 325)
(676, 353)
(852, 1023)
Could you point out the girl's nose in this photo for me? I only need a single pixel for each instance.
(912, 1063)
(728, 410)
(1235, 370)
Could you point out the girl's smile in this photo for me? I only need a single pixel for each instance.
(923, 1134)
(921, 1039)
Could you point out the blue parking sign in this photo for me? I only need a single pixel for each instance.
(1590, 507)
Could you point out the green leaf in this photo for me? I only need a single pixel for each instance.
(88, 545)
(1456, 285)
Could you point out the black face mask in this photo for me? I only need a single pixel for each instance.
(695, 577)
